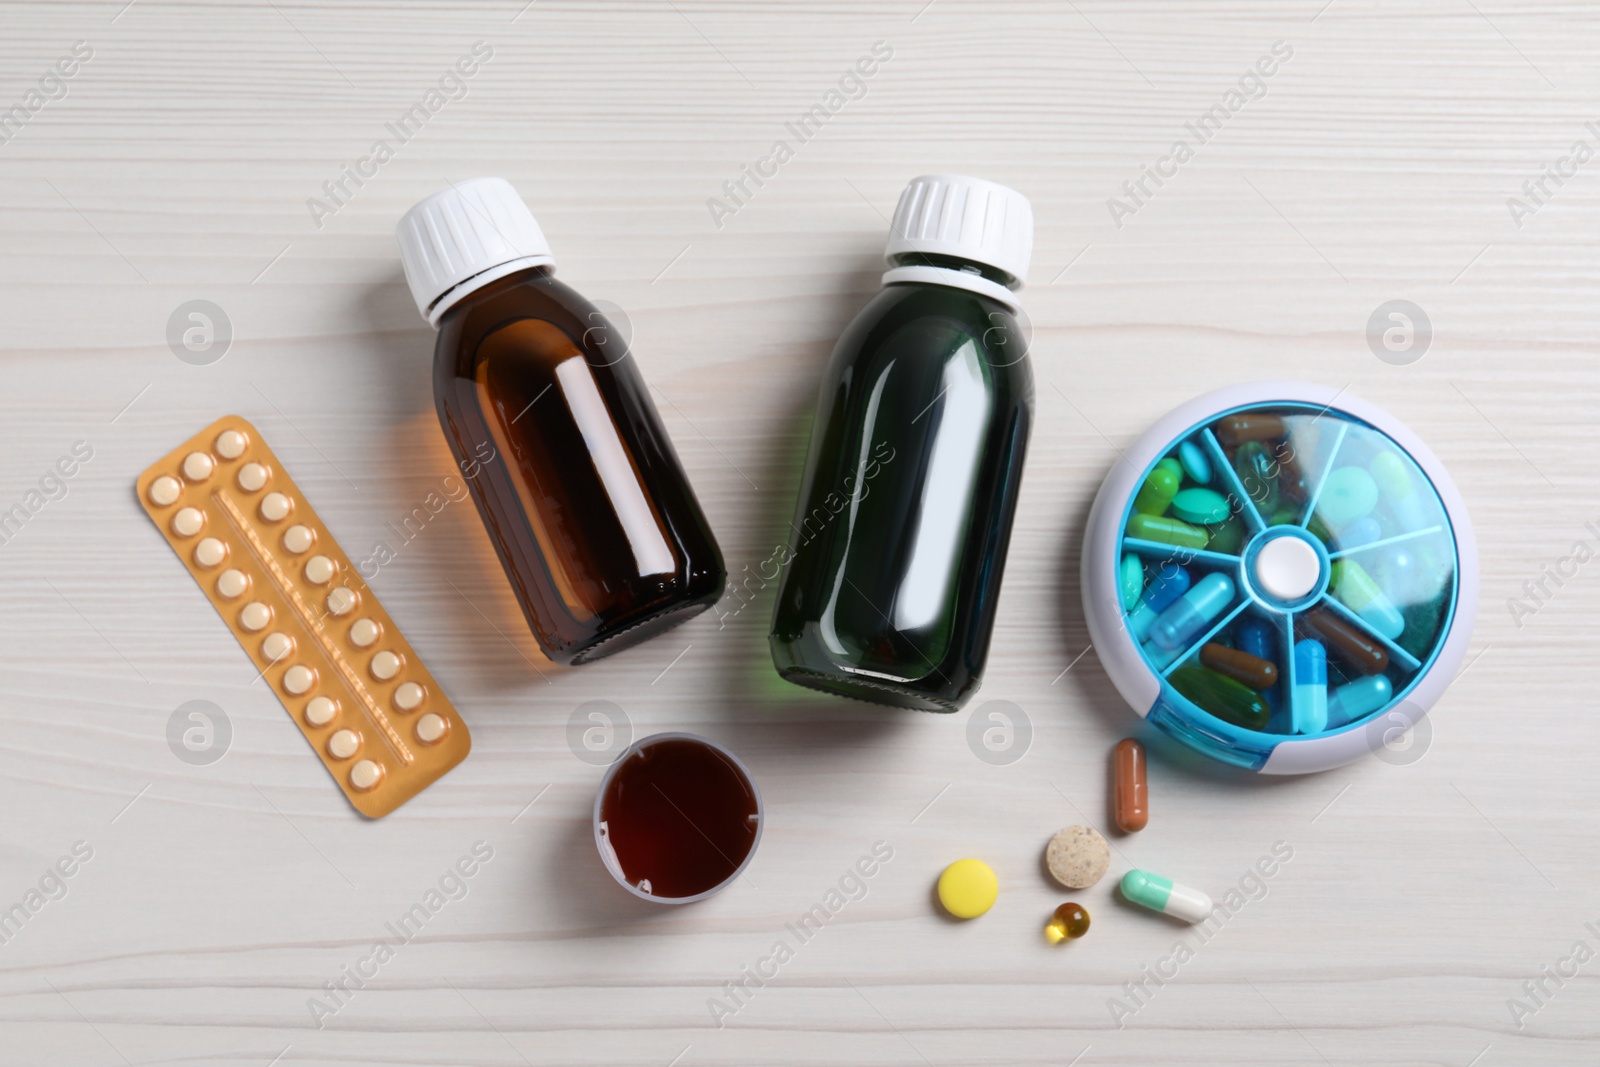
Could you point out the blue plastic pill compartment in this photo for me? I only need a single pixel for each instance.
(1335, 417)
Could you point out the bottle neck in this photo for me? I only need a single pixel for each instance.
(468, 286)
(934, 269)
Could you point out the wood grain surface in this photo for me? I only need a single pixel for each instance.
(1425, 900)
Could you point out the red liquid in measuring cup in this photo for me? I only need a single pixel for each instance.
(680, 816)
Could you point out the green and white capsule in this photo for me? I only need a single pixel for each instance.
(1166, 896)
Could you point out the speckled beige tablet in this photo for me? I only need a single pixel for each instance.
(313, 630)
(1077, 857)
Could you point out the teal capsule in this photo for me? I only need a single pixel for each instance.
(1358, 699)
(1258, 472)
(1348, 494)
(1195, 463)
(1200, 506)
(1166, 530)
(1166, 896)
(1130, 578)
(1223, 697)
(1155, 495)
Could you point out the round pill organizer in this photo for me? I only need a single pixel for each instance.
(1281, 576)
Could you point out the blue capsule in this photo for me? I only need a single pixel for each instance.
(1309, 704)
(1358, 699)
(1179, 624)
(1169, 582)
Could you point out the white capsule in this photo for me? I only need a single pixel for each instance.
(1166, 896)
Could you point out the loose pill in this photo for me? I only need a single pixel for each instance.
(232, 583)
(1069, 923)
(1223, 697)
(197, 466)
(1258, 474)
(1164, 895)
(1196, 464)
(319, 569)
(1358, 699)
(320, 711)
(1201, 506)
(1309, 702)
(968, 888)
(298, 539)
(274, 507)
(1210, 596)
(1168, 584)
(277, 645)
(344, 744)
(1159, 487)
(252, 476)
(1130, 578)
(188, 522)
(255, 616)
(1170, 463)
(1356, 589)
(408, 696)
(1354, 648)
(1348, 494)
(1077, 856)
(1167, 531)
(1236, 429)
(230, 444)
(1130, 791)
(1239, 665)
(342, 601)
(365, 774)
(210, 552)
(364, 633)
(299, 679)
(430, 728)
(165, 490)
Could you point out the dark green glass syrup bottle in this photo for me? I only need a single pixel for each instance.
(899, 538)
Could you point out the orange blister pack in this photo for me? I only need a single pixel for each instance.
(372, 712)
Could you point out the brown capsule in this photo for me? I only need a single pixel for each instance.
(1130, 789)
(1253, 671)
(1353, 647)
(1235, 430)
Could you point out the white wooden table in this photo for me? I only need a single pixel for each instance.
(220, 899)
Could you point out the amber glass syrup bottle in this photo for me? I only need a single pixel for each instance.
(899, 538)
(553, 427)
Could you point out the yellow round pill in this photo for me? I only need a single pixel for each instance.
(968, 888)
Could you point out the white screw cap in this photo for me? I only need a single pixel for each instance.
(970, 218)
(464, 237)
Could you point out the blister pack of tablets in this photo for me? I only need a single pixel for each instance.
(374, 715)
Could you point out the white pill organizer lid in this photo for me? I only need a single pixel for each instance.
(1281, 578)
(464, 237)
